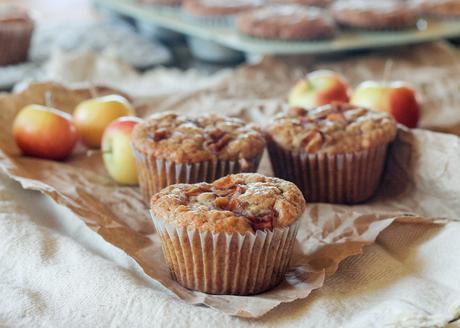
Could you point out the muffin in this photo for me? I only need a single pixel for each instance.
(374, 15)
(316, 3)
(16, 29)
(217, 11)
(234, 236)
(286, 22)
(168, 3)
(170, 149)
(334, 153)
(439, 8)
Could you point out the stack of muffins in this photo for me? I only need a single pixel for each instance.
(296, 20)
(228, 230)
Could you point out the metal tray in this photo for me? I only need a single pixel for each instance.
(174, 19)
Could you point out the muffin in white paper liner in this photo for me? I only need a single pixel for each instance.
(156, 174)
(227, 263)
(346, 178)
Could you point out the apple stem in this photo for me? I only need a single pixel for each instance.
(49, 101)
(387, 71)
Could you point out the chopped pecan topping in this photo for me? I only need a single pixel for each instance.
(216, 134)
(217, 145)
(313, 141)
(160, 134)
(338, 117)
(297, 111)
(262, 222)
(222, 202)
(224, 183)
(193, 191)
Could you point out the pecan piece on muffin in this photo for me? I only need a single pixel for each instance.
(374, 15)
(171, 148)
(245, 222)
(334, 153)
(286, 22)
(16, 29)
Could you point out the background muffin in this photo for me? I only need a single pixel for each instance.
(379, 15)
(16, 29)
(217, 11)
(286, 22)
(176, 149)
(439, 8)
(334, 153)
(234, 236)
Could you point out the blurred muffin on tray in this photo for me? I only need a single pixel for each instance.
(316, 3)
(286, 22)
(217, 11)
(16, 27)
(374, 15)
(439, 8)
(169, 3)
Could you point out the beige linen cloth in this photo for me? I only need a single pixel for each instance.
(57, 272)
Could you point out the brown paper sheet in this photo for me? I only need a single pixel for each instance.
(419, 186)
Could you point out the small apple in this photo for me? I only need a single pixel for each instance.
(117, 150)
(395, 98)
(319, 88)
(44, 132)
(92, 117)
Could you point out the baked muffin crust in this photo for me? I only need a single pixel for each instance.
(241, 203)
(439, 8)
(332, 129)
(286, 22)
(366, 14)
(184, 139)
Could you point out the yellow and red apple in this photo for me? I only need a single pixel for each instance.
(319, 88)
(92, 117)
(44, 132)
(395, 98)
(117, 150)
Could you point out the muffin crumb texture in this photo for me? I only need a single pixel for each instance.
(331, 129)
(190, 140)
(236, 203)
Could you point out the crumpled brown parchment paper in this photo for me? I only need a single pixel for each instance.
(420, 185)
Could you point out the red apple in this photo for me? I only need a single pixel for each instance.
(44, 132)
(92, 117)
(117, 150)
(319, 88)
(395, 98)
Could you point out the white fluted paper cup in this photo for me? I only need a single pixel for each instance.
(227, 263)
(347, 178)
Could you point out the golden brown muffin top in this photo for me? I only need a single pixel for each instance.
(332, 129)
(184, 139)
(441, 8)
(219, 7)
(374, 14)
(286, 21)
(240, 203)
